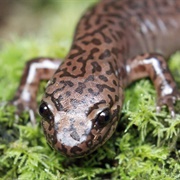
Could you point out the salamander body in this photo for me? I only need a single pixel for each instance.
(116, 42)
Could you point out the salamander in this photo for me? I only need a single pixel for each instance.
(116, 42)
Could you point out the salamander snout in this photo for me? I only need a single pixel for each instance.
(77, 133)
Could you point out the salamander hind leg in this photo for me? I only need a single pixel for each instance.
(155, 67)
(35, 70)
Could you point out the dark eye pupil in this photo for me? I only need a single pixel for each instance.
(104, 117)
(44, 111)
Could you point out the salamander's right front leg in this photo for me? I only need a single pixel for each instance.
(36, 70)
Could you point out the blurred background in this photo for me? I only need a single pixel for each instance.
(21, 17)
(33, 16)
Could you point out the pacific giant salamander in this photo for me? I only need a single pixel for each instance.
(116, 42)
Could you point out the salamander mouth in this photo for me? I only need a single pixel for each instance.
(81, 147)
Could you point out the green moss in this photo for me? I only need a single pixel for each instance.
(145, 145)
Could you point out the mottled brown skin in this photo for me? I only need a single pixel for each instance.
(116, 42)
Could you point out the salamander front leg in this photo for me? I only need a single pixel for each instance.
(155, 67)
(35, 70)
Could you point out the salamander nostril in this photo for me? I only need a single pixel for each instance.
(45, 112)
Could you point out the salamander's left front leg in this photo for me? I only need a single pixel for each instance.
(155, 67)
(35, 70)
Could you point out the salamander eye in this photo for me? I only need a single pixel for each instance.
(104, 117)
(45, 112)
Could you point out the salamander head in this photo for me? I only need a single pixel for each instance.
(80, 115)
